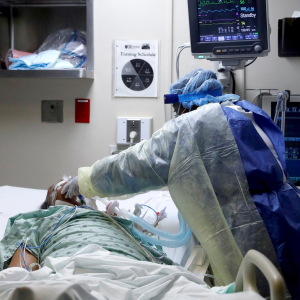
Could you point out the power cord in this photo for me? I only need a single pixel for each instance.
(178, 52)
(258, 99)
(250, 62)
(233, 81)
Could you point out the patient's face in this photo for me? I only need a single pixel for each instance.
(58, 196)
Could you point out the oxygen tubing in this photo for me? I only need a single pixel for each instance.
(172, 240)
(164, 243)
(163, 234)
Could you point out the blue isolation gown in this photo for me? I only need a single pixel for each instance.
(275, 196)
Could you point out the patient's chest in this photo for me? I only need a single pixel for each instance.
(91, 229)
(84, 228)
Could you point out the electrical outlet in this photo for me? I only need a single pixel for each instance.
(112, 148)
(52, 111)
(134, 125)
(142, 126)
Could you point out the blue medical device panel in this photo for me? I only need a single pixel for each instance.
(292, 138)
(227, 20)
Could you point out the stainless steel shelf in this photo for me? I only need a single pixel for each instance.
(74, 73)
(25, 24)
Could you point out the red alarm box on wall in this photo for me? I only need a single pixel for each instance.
(82, 111)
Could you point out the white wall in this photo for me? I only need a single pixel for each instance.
(274, 72)
(35, 154)
(182, 35)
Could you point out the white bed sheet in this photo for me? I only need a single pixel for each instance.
(14, 200)
(93, 273)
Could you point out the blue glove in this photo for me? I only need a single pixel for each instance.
(71, 188)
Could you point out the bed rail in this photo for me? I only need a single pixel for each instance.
(246, 278)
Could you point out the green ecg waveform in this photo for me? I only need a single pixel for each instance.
(207, 2)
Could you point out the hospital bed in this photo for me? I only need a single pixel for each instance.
(14, 200)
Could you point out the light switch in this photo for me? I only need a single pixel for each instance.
(52, 111)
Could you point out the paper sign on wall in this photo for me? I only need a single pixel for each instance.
(136, 68)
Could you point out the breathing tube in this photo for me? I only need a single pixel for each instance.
(164, 243)
(172, 240)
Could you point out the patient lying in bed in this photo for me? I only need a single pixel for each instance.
(75, 230)
(91, 257)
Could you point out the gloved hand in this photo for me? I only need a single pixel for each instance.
(71, 188)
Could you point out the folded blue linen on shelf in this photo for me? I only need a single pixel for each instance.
(43, 60)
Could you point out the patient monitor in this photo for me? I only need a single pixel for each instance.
(229, 30)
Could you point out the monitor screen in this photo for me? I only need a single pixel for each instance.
(291, 138)
(227, 20)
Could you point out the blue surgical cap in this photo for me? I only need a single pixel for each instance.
(200, 87)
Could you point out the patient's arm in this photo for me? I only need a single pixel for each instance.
(29, 259)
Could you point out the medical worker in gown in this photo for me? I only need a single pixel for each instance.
(223, 161)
